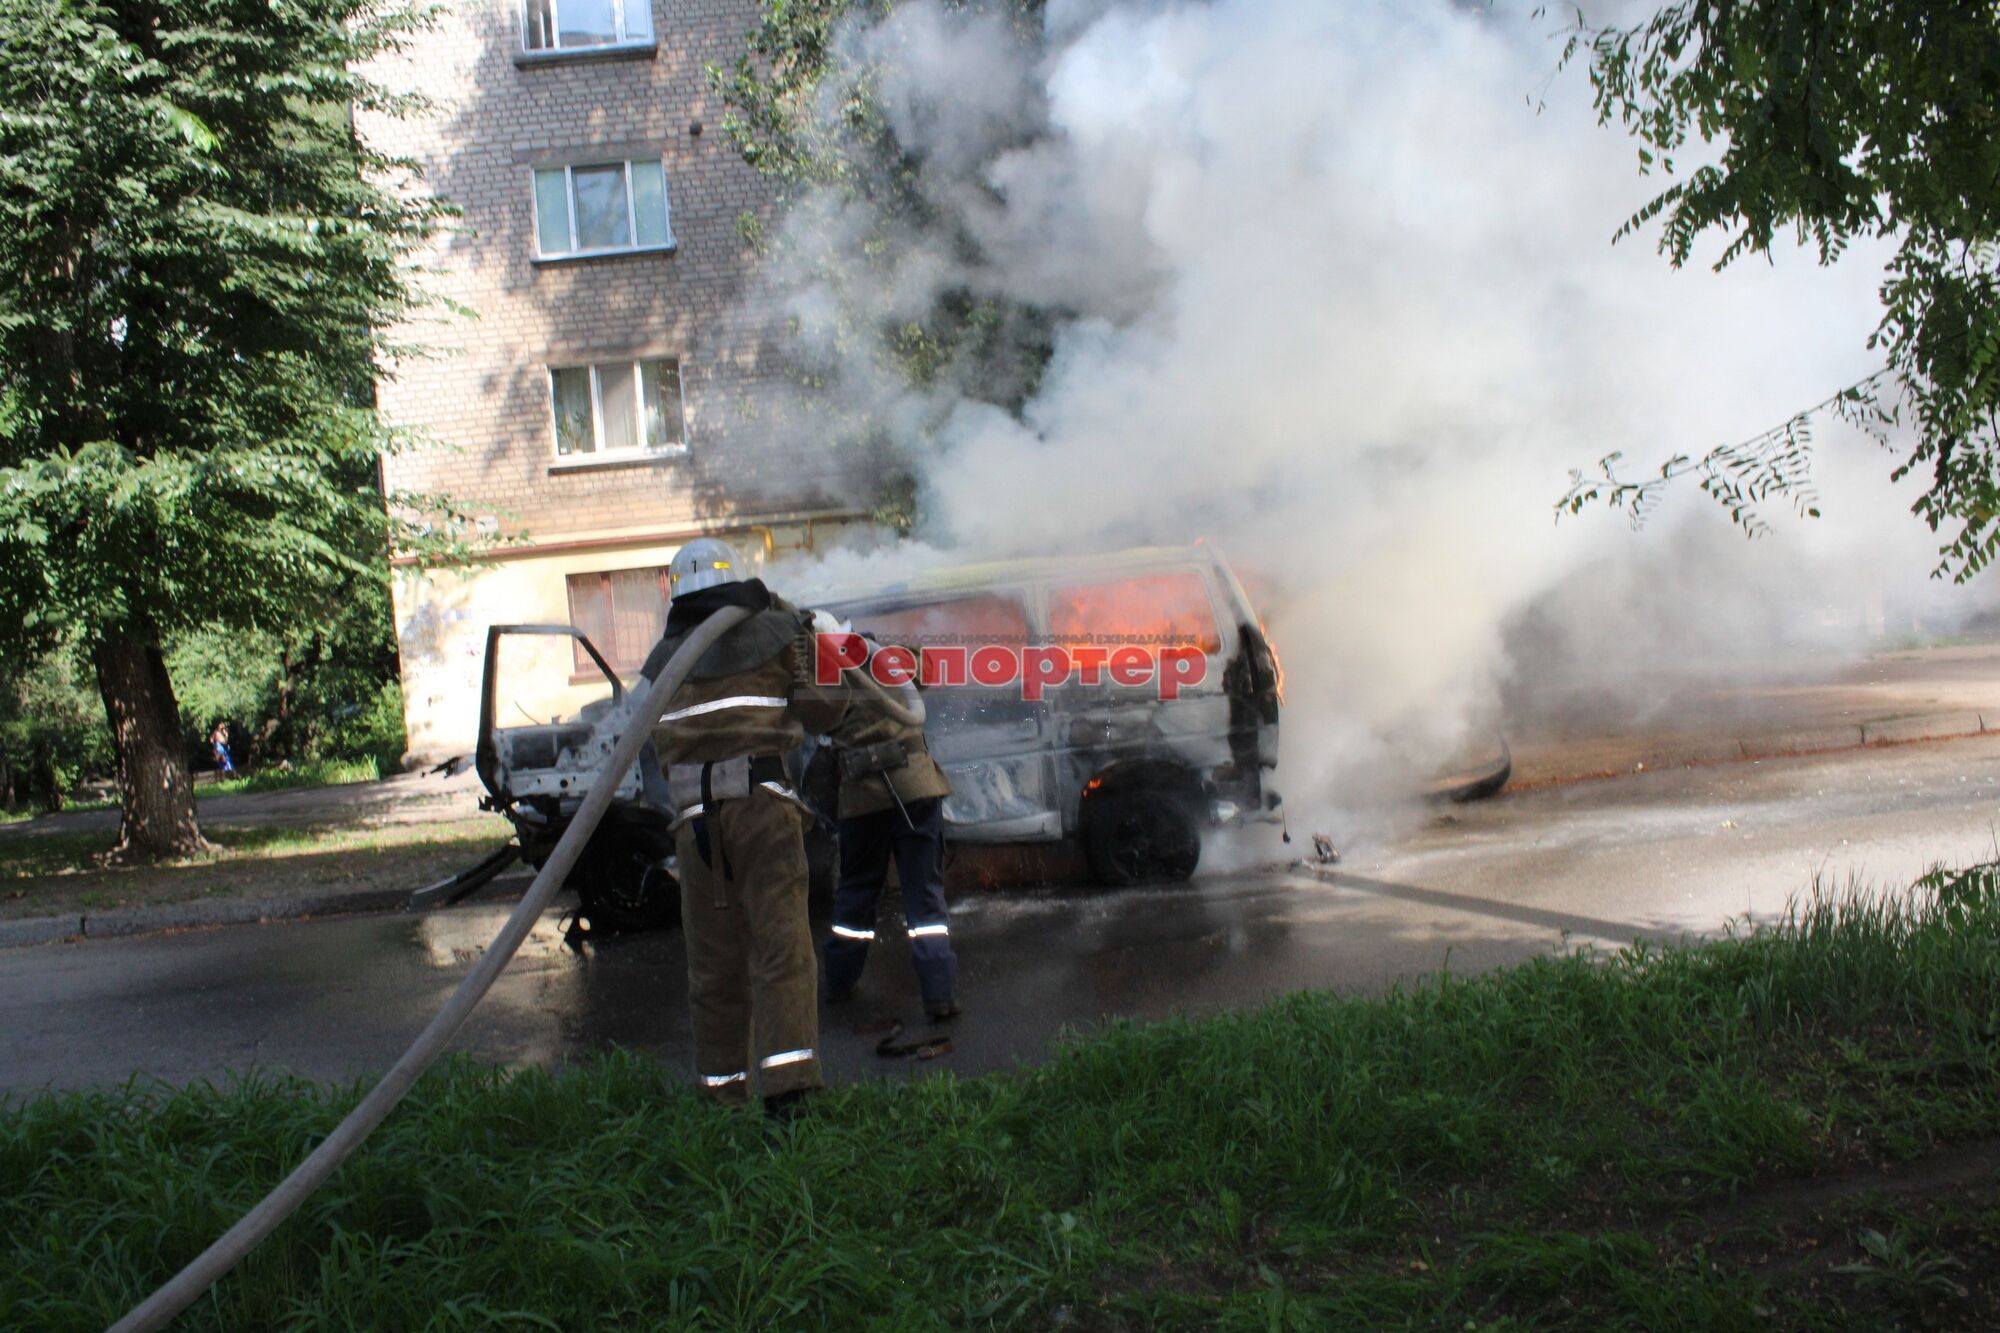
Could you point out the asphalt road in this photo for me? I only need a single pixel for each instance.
(1658, 854)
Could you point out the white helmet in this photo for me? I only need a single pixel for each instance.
(703, 563)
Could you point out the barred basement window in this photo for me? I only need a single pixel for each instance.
(561, 25)
(605, 208)
(623, 612)
(617, 409)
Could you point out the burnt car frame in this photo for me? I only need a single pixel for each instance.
(1138, 780)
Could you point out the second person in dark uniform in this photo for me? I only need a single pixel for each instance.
(891, 808)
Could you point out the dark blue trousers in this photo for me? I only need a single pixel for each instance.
(867, 843)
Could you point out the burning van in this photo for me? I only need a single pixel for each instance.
(1128, 701)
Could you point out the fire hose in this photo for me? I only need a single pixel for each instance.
(894, 707)
(212, 1264)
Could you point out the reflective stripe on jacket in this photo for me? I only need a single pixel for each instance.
(764, 709)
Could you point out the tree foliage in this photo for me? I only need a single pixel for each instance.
(310, 692)
(199, 262)
(1836, 119)
(199, 266)
(52, 732)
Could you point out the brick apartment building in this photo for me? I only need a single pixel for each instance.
(599, 402)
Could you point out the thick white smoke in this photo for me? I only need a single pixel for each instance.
(1338, 294)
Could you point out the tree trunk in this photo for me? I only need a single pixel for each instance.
(285, 737)
(156, 797)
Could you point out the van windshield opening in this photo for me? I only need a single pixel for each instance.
(971, 621)
(1150, 610)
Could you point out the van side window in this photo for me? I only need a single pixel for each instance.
(985, 618)
(1150, 610)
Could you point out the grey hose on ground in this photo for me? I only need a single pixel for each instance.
(187, 1286)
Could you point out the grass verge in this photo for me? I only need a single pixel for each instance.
(53, 873)
(1711, 1137)
(318, 773)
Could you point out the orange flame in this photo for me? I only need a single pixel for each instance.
(1150, 609)
(1277, 663)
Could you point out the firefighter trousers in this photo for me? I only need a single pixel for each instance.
(867, 842)
(752, 979)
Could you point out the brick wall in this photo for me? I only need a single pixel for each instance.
(483, 391)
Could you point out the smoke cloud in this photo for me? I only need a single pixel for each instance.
(1334, 289)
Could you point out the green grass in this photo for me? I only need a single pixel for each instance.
(1580, 1142)
(69, 807)
(319, 773)
(58, 854)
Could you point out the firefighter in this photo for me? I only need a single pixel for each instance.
(740, 830)
(891, 806)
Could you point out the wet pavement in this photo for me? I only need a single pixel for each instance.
(1470, 887)
(342, 997)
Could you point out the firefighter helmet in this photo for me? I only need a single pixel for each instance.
(703, 563)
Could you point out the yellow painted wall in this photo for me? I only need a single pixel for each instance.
(441, 623)
(442, 618)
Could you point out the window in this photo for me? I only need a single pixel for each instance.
(602, 208)
(561, 25)
(973, 621)
(1149, 610)
(623, 612)
(617, 408)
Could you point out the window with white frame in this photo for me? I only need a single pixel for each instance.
(618, 408)
(562, 25)
(601, 209)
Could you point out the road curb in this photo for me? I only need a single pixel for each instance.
(1650, 754)
(1937, 726)
(1803, 740)
(39, 930)
(201, 914)
(234, 912)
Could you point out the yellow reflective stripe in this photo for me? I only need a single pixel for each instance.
(724, 1080)
(938, 929)
(717, 705)
(851, 933)
(785, 1058)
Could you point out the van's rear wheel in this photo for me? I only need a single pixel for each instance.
(625, 879)
(1141, 836)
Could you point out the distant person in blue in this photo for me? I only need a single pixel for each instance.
(218, 742)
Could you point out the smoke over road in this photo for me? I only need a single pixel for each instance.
(1334, 289)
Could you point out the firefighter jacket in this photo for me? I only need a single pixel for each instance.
(751, 694)
(866, 724)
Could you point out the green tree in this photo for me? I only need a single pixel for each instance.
(1836, 119)
(199, 264)
(296, 695)
(51, 732)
